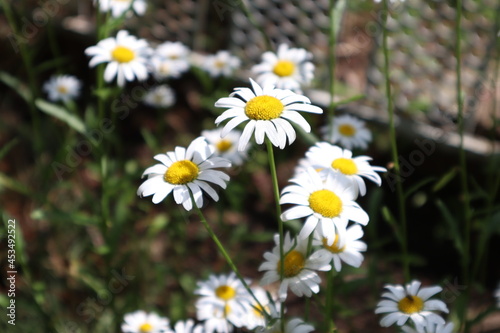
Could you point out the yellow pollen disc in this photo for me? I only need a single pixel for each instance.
(345, 165)
(225, 292)
(223, 145)
(334, 248)
(219, 64)
(347, 130)
(145, 328)
(326, 203)
(410, 304)
(264, 108)
(294, 264)
(122, 54)
(181, 172)
(284, 68)
(62, 89)
(259, 310)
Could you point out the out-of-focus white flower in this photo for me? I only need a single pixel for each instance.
(141, 322)
(118, 7)
(226, 147)
(62, 88)
(161, 96)
(222, 63)
(347, 131)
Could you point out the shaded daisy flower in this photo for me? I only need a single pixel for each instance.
(348, 131)
(185, 170)
(62, 88)
(226, 147)
(176, 52)
(410, 302)
(222, 63)
(220, 319)
(289, 68)
(223, 290)
(118, 7)
(294, 325)
(187, 326)
(142, 322)
(346, 246)
(126, 57)
(255, 316)
(161, 96)
(162, 68)
(497, 295)
(268, 111)
(298, 269)
(329, 158)
(430, 328)
(327, 201)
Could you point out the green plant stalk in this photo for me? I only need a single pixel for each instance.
(276, 191)
(394, 148)
(331, 65)
(330, 325)
(224, 253)
(252, 20)
(31, 77)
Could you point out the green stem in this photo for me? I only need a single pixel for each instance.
(330, 325)
(224, 253)
(394, 149)
(256, 25)
(27, 61)
(276, 191)
(463, 165)
(331, 65)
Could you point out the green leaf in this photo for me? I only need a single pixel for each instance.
(62, 114)
(5, 150)
(418, 186)
(447, 177)
(452, 226)
(14, 185)
(391, 220)
(16, 85)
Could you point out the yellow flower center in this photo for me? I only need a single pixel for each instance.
(345, 165)
(225, 292)
(334, 248)
(181, 172)
(123, 54)
(145, 328)
(219, 64)
(284, 68)
(326, 203)
(223, 145)
(164, 68)
(227, 310)
(293, 265)
(347, 130)
(264, 108)
(62, 89)
(410, 304)
(259, 310)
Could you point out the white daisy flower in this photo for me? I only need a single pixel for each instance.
(410, 302)
(328, 202)
(62, 88)
(223, 290)
(346, 246)
(118, 7)
(329, 158)
(176, 52)
(187, 326)
(298, 269)
(294, 325)
(255, 316)
(268, 111)
(430, 328)
(197, 59)
(226, 147)
(142, 322)
(161, 96)
(348, 131)
(220, 319)
(289, 68)
(163, 68)
(221, 64)
(126, 57)
(185, 170)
